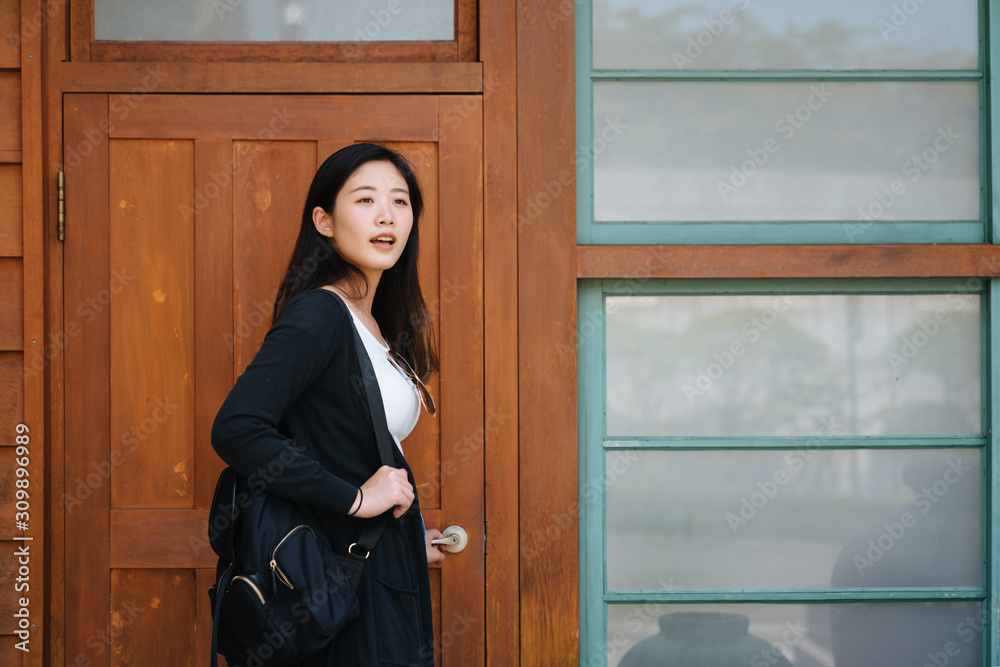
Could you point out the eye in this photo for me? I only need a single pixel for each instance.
(402, 202)
(366, 200)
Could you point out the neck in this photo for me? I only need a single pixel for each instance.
(364, 304)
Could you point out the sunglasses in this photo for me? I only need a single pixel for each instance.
(418, 385)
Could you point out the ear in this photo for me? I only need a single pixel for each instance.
(323, 222)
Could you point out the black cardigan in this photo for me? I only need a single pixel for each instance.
(297, 424)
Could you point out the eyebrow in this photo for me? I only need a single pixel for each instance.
(372, 187)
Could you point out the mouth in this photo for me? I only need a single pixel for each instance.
(384, 241)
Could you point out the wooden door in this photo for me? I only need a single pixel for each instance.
(181, 214)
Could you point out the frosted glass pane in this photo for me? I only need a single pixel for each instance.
(275, 20)
(794, 365)
(911, 634)
(739, 151)
(804, 518)
(785, 34)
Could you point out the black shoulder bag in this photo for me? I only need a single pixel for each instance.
(285, 593)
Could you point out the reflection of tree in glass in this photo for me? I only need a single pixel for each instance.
(628, 38)
(935, 375)
(692, 383)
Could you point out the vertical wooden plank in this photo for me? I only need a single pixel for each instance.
(11, 303)
(11, 34)
(461, 416)
(53, 55)
(152, 324)
(498, 31)
(11, 394)
(81, 29)
(87, 361)
(11, 234)
(151, 621)
(8, 599)
(10, 111)
(9, 655)
(34, 314)
(212, 217)
(548, 402)
(466, 30)
(270, 182)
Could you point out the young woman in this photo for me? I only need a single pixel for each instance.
(295, 421)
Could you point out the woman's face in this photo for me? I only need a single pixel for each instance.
(371, 219)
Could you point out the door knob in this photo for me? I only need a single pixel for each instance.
(455, 539)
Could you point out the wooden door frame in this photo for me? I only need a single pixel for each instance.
(531, 604)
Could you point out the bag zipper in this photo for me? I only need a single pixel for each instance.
(275, 568)
(252, 586)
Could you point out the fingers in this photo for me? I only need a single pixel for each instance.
(435, 552)
(388, 488)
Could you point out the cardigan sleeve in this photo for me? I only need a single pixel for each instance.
(246, 431)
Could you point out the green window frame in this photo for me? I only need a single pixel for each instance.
(590, 231)
(595, 444)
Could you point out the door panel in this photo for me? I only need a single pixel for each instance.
(183, 215)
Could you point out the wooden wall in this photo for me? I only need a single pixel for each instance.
(21, 342)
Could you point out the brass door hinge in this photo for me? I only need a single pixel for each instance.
(61, 216)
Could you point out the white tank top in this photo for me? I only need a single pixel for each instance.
(402, 405)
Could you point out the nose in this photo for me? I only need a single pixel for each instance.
(385, 216)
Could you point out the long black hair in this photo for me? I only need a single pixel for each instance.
(398, 305)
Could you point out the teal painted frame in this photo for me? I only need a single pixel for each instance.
(594, 445)
(764, 232)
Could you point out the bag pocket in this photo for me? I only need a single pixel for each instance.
(248, 634)
(397, 622)
(312, 576)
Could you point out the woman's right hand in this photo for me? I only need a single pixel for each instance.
(388, 487)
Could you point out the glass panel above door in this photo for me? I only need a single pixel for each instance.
(275, 20)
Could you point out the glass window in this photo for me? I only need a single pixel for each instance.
(785, 364)
(785, 34)
(904, 634)
(863, 152)
(798, 518)
(270, 21)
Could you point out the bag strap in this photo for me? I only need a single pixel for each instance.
(373, 527)
(223, 583)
